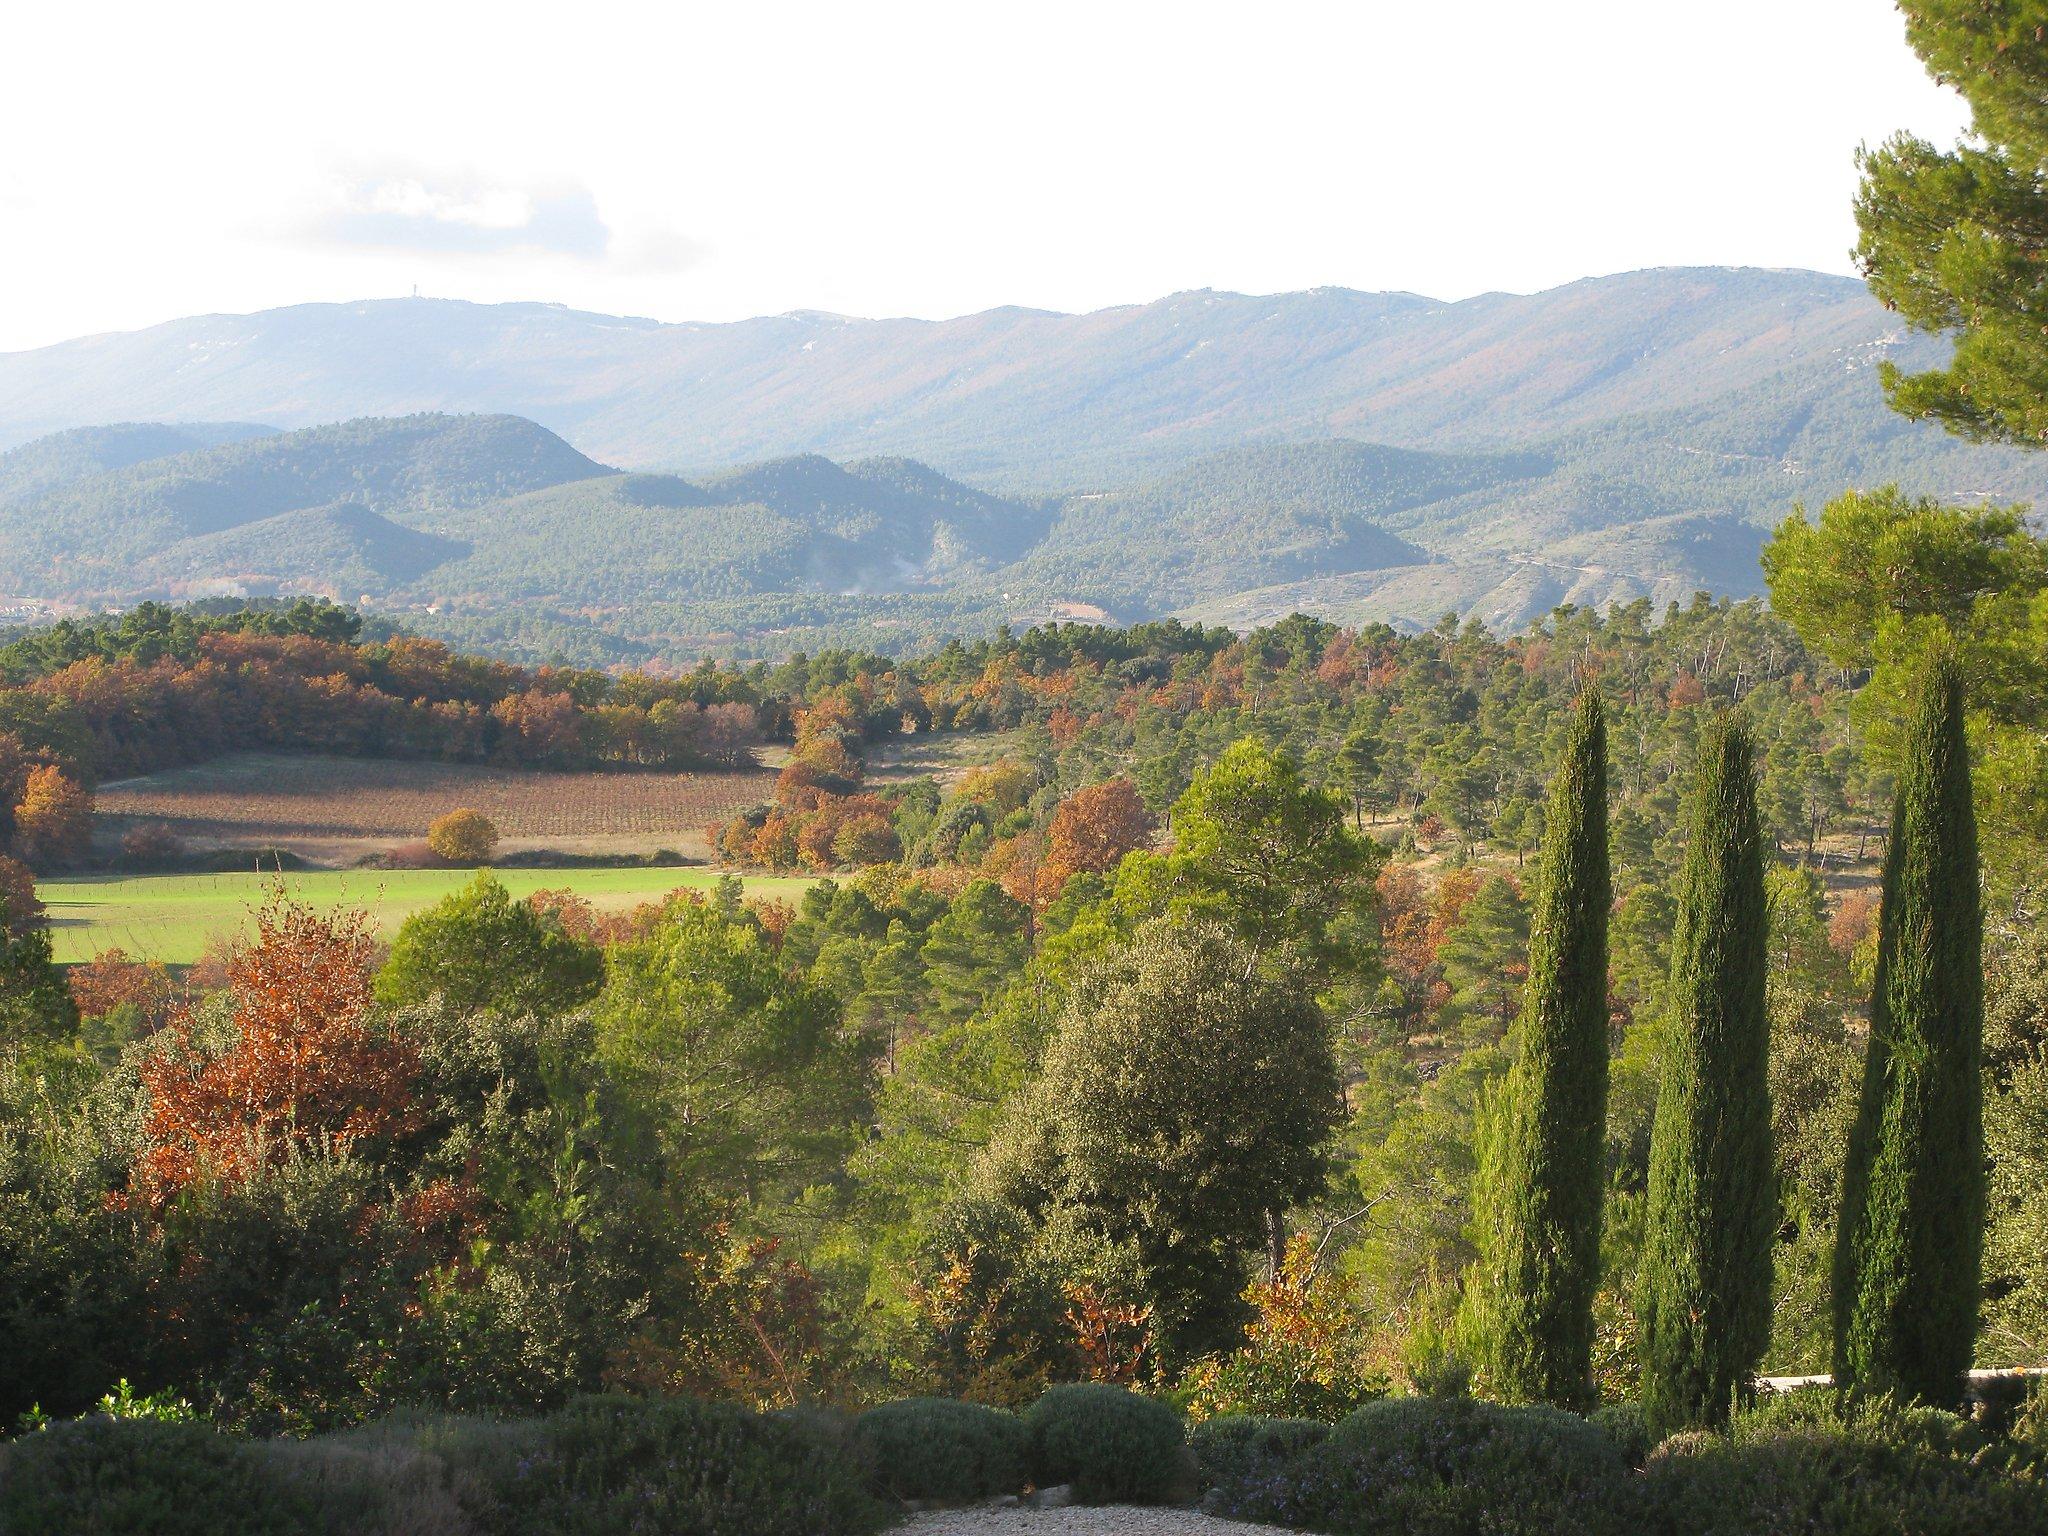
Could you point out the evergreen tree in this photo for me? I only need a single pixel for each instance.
(478, 948)
(1705, 1299)
(1540, 1184)
(1949, 239)
(1910, 1246)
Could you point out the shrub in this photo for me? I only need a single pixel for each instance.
(151, 843)
(1237, 1456)
(1871, 1468)
(1433, 1467)
(2030, 1423)
(140, 1477)
(416, 1472)
(1628, 1427)
(354, 1485)
(1113, 1446)
(1304, 1350)
(464, 837)
(936, 1448)
(615, 1464)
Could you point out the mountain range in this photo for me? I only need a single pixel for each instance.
(545, 479)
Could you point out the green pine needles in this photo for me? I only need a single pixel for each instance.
(1704, 1303)
(1910, 1247)
(1541, 1173)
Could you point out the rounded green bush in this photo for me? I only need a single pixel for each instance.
(1448, 1467)
(1110, 1445)
(1872, 1468)
(1238, 1455)
(607, 1465)
(936, 1448)
(139, 1477)
(1628, 1427)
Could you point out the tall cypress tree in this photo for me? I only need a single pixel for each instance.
(1705, 1299)
(1909, 1250)
(1541, 1175)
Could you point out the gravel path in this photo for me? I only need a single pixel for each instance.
(1076, 1520)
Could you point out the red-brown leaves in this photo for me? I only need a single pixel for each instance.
(304, 1067)
(110, 980)
(1093, 829)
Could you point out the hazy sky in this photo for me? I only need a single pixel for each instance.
(714, 161)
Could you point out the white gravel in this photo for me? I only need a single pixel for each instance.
(1076, 1520)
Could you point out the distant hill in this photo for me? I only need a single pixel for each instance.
(790, 526)
(50, 463)
(491, 510)
(431, 515)
(345, 549)
(1247, 518)
(1016, 398)
(807, 479)
(101, 534)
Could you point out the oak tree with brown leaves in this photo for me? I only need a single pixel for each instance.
(305, 1065)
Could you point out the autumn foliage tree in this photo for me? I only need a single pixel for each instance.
(111, 980)
(53, 822)
(20, 908)
(1093, 829)
(302, 1064)
(463, 836)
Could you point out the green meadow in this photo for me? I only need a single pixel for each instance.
(170, 917)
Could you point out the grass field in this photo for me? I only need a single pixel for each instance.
(330, 807)
(170, 917)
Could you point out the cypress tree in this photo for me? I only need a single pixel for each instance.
(1909, 1250)
(1705, 1300)
(1541, 1174)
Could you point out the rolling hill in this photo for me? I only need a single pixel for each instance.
(808, 479)
(101, 534)
(431, 514)
(53, 462)
(1016, 398)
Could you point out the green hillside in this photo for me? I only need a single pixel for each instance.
(494, 533)
(1251, 517)
(50, 463)
(91, 535)
(880, 483)
(345, 548)
(1016, 399)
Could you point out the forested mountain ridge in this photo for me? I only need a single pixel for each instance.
(97, 532)
(52, 462)
(495, 532)
(1228, 458)
(1012, 397)
(487, 511)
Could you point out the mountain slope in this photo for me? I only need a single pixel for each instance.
(96, 533)
(345, 549)
(1248, 518)
(1011, 396)
(50, 463)
(1380, 455)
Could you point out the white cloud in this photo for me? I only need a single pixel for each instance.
(919, 157)
(409, 208)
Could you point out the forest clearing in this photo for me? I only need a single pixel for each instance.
(169, 918)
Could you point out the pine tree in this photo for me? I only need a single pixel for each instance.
(1541, 1177)
(1909, 1249)
(1705, 1299)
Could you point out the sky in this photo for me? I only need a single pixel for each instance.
(711, 162)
